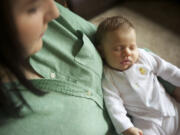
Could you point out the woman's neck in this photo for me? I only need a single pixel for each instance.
(29, 72)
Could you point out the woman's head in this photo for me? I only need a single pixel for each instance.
(22, 25)
(31, 19)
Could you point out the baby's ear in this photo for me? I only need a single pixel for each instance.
(100, 50)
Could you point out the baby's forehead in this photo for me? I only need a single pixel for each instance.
(119, 31)
(124, 28)
(120, 36)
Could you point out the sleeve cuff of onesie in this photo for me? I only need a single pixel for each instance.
(122, 124)
(126, 126)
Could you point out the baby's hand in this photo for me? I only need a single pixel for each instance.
(176, 94)
(133, 131)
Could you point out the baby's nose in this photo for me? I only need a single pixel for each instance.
(127, 52)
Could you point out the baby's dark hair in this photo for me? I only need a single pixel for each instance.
(111, 24)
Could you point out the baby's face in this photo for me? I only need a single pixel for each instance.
(119, 48)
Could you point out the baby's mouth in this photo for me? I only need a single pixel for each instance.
(126, 62)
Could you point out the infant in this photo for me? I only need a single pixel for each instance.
(130, 83)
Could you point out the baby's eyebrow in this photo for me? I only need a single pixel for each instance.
(29, 1)
(32, 1)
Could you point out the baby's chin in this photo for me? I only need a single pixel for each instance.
(125, 67)
(121, 68)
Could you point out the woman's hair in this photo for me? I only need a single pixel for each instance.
(11, 61)
(111, 24)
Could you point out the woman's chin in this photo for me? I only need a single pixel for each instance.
(36, 47)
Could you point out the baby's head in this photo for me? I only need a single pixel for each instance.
(116, 42)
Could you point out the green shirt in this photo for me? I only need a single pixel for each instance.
(72, 71)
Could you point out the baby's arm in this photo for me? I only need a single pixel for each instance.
(164, 69)
(167, 72)
(132, 131)
(115, 105)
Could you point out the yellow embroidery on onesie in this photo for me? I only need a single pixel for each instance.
(142, 70)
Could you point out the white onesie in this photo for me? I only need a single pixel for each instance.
(137, 91)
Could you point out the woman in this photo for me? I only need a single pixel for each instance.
(66, 71)
(72, 101)
(20, 42)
